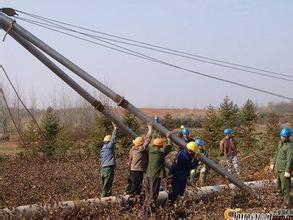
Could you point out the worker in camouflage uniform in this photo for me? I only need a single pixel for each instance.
(157, 152)
(282, 164)
(202, 169)
(228, 147)
(108, 162)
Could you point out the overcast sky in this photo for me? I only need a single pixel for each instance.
(255, 33)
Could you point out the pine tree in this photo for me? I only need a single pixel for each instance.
(272, 129)
(130, 121)
(168, 121)
(211, 132)
(102, 128)
(228, 112)
(51, 127)
(31, 133)
(248, 117)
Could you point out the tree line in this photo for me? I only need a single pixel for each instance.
(67, 129)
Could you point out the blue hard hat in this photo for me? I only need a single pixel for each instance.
(157, 119)
(285, 132)
(228, 131)
(185, 131)
(199, 142)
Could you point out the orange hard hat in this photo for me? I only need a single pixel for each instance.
(138, 141)
(159, 142)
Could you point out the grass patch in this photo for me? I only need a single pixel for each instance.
(11, 150)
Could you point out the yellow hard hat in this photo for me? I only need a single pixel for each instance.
(159, 142)
(138, 141)
(107, 138)
(228, 214)
(182, 126)
(192, 147)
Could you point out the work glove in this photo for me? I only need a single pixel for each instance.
(196, 156)
(287, 175)
(272, 167)
(203, 170)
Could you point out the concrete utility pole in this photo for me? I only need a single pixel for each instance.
(69, 207)
(60, 73)
(20, 34)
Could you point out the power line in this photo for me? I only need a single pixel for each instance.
(106, 40)
(177, 52)
(15, 91)
(136, 54)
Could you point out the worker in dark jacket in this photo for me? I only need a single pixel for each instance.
(202, 169)
(179, 173)
(282, 164)
(108, 162)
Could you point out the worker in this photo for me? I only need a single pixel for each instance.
(282, 164)
(108, 162)
(180, 135)
(156, 165)
(202, 169)
(156, 134)
(186, 137)
(186, 159)
(138, 161)
(228, 147)
(128, 164)
(157, 119)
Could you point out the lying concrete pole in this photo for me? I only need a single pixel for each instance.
(61, 74)
(70, 207)
(10, 26)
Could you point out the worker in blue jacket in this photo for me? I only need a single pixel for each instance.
(186, 160)
(108, 162)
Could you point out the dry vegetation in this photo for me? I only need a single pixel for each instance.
(71, 169)
(29, 179)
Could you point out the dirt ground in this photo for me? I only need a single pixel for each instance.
(29, 179)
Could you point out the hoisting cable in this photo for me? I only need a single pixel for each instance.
(140, 55)
(12, 118)
(151, 46)
(19, 98)
(35, 121)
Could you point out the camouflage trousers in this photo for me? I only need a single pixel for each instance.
(233, 164)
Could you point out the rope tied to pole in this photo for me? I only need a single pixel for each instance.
(9, 29)
(9, 11)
